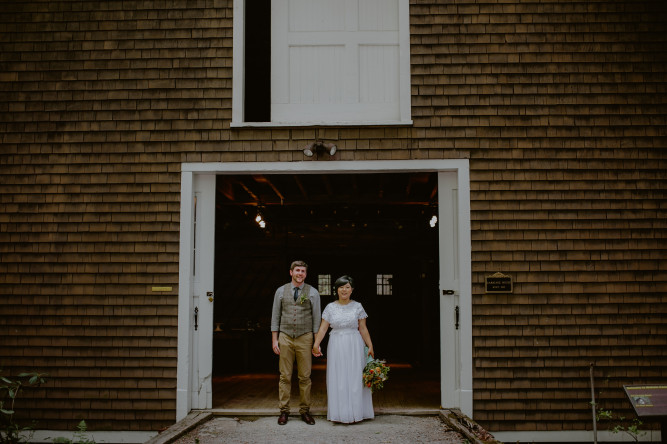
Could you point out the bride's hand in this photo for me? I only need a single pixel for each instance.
(371, 352)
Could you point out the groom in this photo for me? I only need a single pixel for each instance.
(295, 318)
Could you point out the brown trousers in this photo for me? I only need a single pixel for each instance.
(291, 349)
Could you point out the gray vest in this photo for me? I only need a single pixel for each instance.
(296, 319)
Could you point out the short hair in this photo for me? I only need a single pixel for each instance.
(298, 264)
(343, 280)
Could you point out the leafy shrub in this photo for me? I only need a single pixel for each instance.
(10, 388)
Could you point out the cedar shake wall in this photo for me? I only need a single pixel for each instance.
(560, 106)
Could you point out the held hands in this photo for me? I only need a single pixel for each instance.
(317, 351)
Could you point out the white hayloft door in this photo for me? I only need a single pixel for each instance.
(335, 60)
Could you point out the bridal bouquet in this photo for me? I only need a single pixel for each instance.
(375, 374)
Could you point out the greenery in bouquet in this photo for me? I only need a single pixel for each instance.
(375, 374)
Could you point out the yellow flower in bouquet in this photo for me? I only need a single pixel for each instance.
(375, 374)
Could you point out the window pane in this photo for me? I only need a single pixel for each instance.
(384, 284)
(324, 284)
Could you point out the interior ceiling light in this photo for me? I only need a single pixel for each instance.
(260, 220)
(319, 145)
(434, 219)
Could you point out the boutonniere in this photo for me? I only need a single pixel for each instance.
(303, 298)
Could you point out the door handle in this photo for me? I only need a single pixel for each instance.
(446, 292)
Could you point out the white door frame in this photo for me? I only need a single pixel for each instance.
(194, 368)
(195, 293)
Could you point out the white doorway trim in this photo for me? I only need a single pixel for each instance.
(193, 382)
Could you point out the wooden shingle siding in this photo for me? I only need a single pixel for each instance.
(99, 105)
(561, 107)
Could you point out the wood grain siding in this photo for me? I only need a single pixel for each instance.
(561, 107)
(100, 103)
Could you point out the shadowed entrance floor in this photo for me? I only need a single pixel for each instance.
(408, 391)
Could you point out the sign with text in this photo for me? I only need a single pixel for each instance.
(498, 283)
(648, 400)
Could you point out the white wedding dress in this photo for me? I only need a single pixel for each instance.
(348, 399)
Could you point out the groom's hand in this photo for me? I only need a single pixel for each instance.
(276, 347)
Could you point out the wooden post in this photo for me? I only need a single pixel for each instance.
(595, 422)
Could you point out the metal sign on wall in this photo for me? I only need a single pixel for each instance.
(648, 400)
(498, 283)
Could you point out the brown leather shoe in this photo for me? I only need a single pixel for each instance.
(305, 417)
(283, 418)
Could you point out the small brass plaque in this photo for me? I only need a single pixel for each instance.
(499, 283)
(161, 288)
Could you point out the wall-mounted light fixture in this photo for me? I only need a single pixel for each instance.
(317, 146)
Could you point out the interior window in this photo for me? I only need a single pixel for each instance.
(324, 284)
(384, 284)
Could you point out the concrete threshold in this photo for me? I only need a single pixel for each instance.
(321, 412)
(453, 418)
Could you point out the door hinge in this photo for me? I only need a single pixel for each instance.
(457, 312)
(196, 318)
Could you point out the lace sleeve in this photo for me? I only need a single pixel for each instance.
(326, 314)
(361, 313)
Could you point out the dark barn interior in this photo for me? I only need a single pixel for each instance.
(363, 225)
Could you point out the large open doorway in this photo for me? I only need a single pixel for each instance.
(431, 271)
(379, 228)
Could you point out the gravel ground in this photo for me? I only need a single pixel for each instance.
(383, 429)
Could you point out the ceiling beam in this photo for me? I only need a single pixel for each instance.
(301, 187)
(249, 191)
(264, 179)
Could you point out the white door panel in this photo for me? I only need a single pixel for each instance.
(316, 74)
(195, 313)
(449, 289)
(335, 52)
(378, 15)
(378, 74)
(204, 190)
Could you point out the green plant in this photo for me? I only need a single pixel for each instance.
(617, 423)
(10, 388)
(620, 424)
(80, 436)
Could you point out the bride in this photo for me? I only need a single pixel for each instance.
(348, 399)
